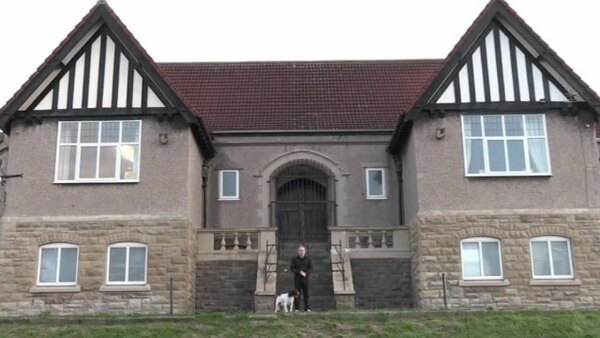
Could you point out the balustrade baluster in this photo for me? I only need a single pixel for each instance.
(223, 243)
(383, 240)
(236, 241)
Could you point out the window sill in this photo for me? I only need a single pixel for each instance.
(508, 175)
(228, 199)
(376, 198)
(55, 289)
(467, 283)
(98, 182)
(554, 282)
(125, 288)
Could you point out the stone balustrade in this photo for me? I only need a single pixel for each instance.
(368, 241)
(222, 240)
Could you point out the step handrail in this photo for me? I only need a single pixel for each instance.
(340, 263)
(268, 265)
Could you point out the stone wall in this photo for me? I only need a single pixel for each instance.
(435, 239)
(225, 285)
(382, 282)
(171, 253)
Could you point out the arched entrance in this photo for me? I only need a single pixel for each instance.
(304, 204)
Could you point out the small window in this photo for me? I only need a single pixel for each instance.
(551, 257)
(229, 184)
(481, 258)
(505, 145)
(98, 151)
(127, 263)
(58, 264)
(375, 178)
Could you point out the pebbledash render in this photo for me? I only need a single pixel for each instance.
(134, 186)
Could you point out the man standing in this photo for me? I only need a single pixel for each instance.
(301, 267)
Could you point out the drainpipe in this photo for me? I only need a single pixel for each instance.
(204, 182)
(398, 163)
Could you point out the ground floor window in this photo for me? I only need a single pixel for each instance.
(481, 258)
(58, 264)
(551, 257)
(127, 263)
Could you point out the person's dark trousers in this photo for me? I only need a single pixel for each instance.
(301, 284)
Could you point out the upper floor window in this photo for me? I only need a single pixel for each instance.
(551, 257)
(58, 264)
(127, 263)
(375, 178)
(481, 258)
(504, 145)
(98, 151)
(229, 184)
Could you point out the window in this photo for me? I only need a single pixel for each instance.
(551, 257)
(504, 145)
(481, 258)
(58, 264)
(98, 151)
(127, 263)
(375, 178)
(229, 184)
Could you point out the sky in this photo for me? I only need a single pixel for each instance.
(273, 30)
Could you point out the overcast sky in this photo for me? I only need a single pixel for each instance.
(257, 30)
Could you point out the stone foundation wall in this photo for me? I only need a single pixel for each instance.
(225, 285)
(171, 253)
(435, 241)
(382, 282)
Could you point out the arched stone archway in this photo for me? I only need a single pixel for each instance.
(267, 192)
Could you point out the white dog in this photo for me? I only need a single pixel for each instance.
(286, 300)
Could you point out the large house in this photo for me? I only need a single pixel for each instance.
(467, 182)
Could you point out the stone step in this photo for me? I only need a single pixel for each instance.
(321, 283)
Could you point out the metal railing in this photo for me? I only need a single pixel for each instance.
(339, 265)
(270, 267)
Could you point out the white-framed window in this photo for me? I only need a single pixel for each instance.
(551, 257)
(127, 263)
(229, 184)
(481, 258)
(98, 151)
(375, 183)
(505, 145)
(58, 264)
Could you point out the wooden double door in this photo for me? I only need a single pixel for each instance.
(302, 209)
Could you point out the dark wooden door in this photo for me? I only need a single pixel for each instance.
(301, 210)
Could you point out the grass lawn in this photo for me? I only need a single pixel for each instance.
(513, 324)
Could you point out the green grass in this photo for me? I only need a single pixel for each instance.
(490, 324)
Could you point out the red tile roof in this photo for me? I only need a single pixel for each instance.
(320, 95)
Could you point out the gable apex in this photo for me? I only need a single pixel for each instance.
(547, 80)
(100, 69)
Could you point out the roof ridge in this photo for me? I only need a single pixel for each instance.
(431, 60)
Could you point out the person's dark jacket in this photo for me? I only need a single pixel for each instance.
(301, 264)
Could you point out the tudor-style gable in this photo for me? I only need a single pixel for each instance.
(100, 75)
(100, 71)
(499, 68)
(500, 65)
